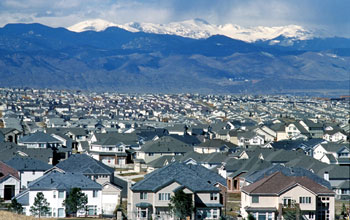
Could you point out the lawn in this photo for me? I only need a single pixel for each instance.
(12, 216)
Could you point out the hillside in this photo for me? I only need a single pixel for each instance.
(34, 55)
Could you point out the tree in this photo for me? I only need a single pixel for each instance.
(16, 207)
(181, 204)
(75, 201)
(251, 217)
(40, 206)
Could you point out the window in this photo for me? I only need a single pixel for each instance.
(215, 213)
(269, 215)
(54, 194)
(60, 194)
(143, 195)
(150, 154)
(33, 172)
(304, 200)
(213, 196)
(287, 202)
(94, 193)
(255, 199)
(311, 215)
(164, 196)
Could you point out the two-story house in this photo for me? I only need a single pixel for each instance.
(9, 181)
(151, 196)
(332, 153)
(270, 197)
(29, 169)
(98, 172)
(56, 186)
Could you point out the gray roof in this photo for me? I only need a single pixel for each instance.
(82, 163)
(162, 161)
(39, 137)
(194, 177)
(166, 144)
(288, 171)
(27, 164)
(63, 181)
(9, 150)
(114, 138)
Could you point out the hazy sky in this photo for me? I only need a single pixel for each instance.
(330, 15)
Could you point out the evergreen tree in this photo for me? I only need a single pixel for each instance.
(40, 206)
(181, 204)
(16, 207)
(75, 201)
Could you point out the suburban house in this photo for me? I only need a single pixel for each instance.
(112, 148)
(271, 196)
(10, 134)
(214, 145)
(332, 153)
(29, 169)
(314, 128)
(151, 196)
(98, 172)
(335, 135)
(55, 186)
(166, 145)
(246, 139)
(39, 140)
(9, 182)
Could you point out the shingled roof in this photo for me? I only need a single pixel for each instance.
(82, 163)
(194, 177)
(6, 170)
(63, 181)
(277, 183)
(27, 164)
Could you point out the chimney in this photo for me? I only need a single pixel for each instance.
(326, 176)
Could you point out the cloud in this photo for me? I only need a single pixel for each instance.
(331, 15)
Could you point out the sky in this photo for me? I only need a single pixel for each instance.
(332, 16)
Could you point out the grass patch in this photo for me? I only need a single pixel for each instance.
(130, 174)
(339, 205)
(137, 179)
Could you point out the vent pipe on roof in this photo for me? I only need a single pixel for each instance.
(326, 176)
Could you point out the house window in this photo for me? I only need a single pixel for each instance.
(94, 193)
(304, 200)
(164, 196)
(213, 196)
(54, 194)
(269, 216)
(143, 195)
(287, 202)
(255, 199)
(60, 194)
(150, 154)
(215, 213)
(311, 215)
(33, 172)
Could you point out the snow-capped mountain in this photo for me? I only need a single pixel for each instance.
(199, 28)
(91, 25)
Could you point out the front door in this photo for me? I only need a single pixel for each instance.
(9, 192)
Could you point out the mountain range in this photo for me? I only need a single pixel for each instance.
(108, 57)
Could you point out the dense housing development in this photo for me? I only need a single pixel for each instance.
(131, 155)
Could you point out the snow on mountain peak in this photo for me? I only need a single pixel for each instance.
(91, 25)
(198, 28)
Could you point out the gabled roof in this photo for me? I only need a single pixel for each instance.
(39, 137)
(6, 171)
(278, 183)
(288, 171)
(27, 164)
(63, 181)
(166, 144)
(114, 138)
(82, 163)
(194, 177)
(217, 143)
